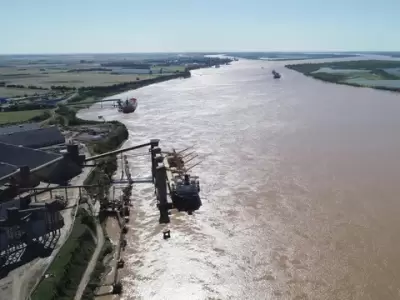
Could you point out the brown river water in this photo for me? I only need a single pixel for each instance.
(300, 188)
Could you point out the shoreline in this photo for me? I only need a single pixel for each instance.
(110, 223)
(309, 70)
(18, 277)
(21, 282)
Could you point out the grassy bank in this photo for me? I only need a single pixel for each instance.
(85, 96)
(16, 117)
(377, 74)
(102, 175)
(100, 269)
(92, 91)
(68, 267)
(106, 167)
(70, 264)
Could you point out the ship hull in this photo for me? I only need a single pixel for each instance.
(185, 202)
(128, 110)
(127, 107)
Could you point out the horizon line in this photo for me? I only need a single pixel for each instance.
(205, 52)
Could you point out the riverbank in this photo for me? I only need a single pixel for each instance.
(65, 272)
(21, 282)
(86, 86)
(304, 194)
(106, 267)
(66, 283)
(376, 74)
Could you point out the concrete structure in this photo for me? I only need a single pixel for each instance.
(27, 225)
(28, 229)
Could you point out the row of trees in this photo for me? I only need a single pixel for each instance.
(27, 106)
(102, 91)
(21, 86)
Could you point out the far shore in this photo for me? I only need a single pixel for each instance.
(375, 74)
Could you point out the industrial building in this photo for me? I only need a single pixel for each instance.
(31, 136)
(25, 224)
(19, 128)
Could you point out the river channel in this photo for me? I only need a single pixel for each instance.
(300, 188)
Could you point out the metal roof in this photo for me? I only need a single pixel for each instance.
(7, 169)
(19, 128)
(13, 157)
(36, 138)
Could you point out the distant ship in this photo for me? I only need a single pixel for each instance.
(127, 106)
(276, 74)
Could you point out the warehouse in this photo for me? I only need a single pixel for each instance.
(32, 137)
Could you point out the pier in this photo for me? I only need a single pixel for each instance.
(167, 173)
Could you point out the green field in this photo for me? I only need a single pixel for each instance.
(64, 76)
(170, 69)
(79, 79)
(13, 92)
(380, 74)
(19, 116)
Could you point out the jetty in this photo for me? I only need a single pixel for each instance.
(174, 188)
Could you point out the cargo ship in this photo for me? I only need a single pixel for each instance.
(184, 189)
(276, 74)
(127, 106)
(185, 193)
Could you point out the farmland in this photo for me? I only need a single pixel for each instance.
(33, 83)
(19, 116)
(70, 76)
(377, 74)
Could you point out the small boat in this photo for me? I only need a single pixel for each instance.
(276, 74)
(127, 106)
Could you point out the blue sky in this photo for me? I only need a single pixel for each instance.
(81, 26)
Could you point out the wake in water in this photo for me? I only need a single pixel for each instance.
(290, 205)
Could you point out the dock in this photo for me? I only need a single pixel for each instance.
(164, 176)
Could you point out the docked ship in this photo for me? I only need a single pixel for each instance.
(185, 193)
(127, 106)
(184, 188)
(276, 74)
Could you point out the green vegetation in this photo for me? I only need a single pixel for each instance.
(117, 136)
(95, 279)
(15, 117)
(7, 92)
(167, 69)
(349, 65)
(282, 56)
(27, 106)
(66, 116)
(362, 73)
(69, 265)
(104, 91)
(107, 166)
